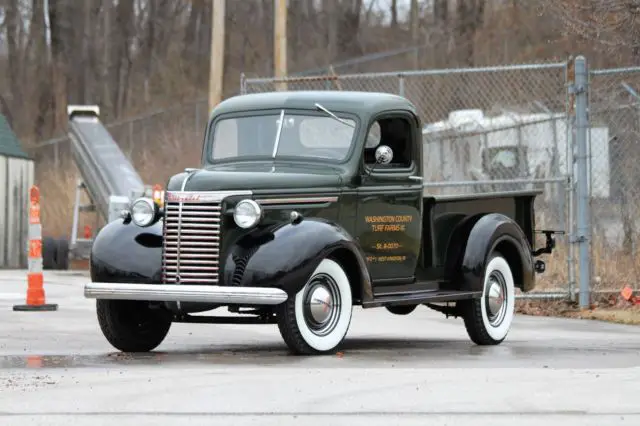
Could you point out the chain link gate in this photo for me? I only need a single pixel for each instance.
(485, 129)
(614, 194)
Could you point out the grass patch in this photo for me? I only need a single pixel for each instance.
(629, 316)
(610, 308)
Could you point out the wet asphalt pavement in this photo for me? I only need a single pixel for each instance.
(56, 368)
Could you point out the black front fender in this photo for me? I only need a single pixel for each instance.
(127, 253)
(471, 244)
(285, 255)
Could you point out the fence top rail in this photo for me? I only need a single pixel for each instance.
(605, 71)
(408, 73)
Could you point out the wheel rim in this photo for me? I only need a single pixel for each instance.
(496, 298)
(322, 304)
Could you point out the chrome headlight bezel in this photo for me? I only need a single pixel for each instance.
(247, 213)
(150, 212)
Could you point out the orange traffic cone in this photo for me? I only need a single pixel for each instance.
(35, 279)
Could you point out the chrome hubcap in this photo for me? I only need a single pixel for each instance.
(321, 304)
(496, 298)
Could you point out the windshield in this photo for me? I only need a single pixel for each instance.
(303, 136)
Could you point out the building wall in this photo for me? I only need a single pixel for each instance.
(16, 178)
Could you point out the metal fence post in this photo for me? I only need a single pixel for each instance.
(401, 84)
(570, 183)
(583, 227)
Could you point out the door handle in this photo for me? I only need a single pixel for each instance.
(415, 178)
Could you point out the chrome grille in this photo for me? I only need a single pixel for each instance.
(191, 245)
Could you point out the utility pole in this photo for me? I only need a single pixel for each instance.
(216, 64)
(280, 42)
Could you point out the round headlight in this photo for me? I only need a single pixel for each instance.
(143, 211)
(247, 214)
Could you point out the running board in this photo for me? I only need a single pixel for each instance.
(422, 297)
(185, 293)
(241, 320)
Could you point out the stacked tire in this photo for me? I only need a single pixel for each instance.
(55, 253)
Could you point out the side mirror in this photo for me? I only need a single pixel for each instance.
(384, 154)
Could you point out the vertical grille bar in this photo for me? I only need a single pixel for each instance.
(192, 233)
(191, 243)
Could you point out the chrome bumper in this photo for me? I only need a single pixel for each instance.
(185, 293)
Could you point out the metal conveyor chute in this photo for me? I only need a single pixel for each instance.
(108, 176)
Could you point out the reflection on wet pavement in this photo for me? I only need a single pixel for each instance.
(363, 351)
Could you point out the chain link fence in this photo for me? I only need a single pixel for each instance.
(614, 175)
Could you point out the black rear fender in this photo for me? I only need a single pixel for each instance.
(472, 242)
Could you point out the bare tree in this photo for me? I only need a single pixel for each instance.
(394, 13)
(414, 18)
(612, 24)
(130, 56)
(470, 17)
(12, 23)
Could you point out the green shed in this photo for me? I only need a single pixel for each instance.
(17, 173)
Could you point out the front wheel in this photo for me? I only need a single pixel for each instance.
(132, 326)
(489, 318)
(316, 319)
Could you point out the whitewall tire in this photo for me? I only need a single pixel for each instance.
(317, 318)
(489, 318)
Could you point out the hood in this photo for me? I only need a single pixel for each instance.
(257, 176)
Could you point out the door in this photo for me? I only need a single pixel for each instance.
(389, 224)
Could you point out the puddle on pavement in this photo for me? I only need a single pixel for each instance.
(355, 352)
(118, 359)
(358, 350)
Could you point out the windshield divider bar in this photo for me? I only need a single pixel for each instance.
(275, 145)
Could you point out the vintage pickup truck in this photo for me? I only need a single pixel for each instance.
(307, 204)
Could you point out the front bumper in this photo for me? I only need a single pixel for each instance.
(185, 293)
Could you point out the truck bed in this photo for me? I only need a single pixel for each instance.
(442, 213)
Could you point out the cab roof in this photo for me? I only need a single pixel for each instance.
(361, 103)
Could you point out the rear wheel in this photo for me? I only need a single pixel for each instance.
(62, 254)
(49, 249)
(132, 326)
(316, 319)
(489, 318)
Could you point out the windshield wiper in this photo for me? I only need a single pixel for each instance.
(332, 115)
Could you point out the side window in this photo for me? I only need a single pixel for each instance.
(395, 132)
(372, 142)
